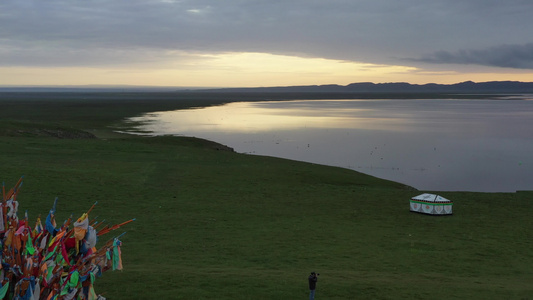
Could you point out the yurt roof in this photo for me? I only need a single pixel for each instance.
(430, 198)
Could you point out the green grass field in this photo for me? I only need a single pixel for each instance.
(214, 224)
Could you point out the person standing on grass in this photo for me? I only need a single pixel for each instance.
(312, 285)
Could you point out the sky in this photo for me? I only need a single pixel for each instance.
(249, 43)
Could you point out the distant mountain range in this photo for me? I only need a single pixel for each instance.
(507, 87)
(467, 87)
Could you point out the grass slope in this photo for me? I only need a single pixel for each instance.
(215, 224)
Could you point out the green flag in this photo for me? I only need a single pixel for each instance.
(3, 290)
(29, 246)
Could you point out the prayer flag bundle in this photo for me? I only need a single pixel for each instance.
(50, 262)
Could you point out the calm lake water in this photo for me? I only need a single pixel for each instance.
(439, 145)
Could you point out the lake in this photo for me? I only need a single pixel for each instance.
(430, 144)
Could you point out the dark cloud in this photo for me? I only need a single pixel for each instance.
(506, 56)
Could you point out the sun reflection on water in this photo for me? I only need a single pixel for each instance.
(268, 116)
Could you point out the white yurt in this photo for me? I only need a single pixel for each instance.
(431, 204)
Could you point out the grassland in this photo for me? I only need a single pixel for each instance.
(215, 224)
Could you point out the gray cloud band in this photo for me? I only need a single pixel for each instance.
(102, 32)
(505, 56)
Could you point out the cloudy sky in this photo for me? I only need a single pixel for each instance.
(217, 43)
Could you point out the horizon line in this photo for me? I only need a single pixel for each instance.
(119, 86)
